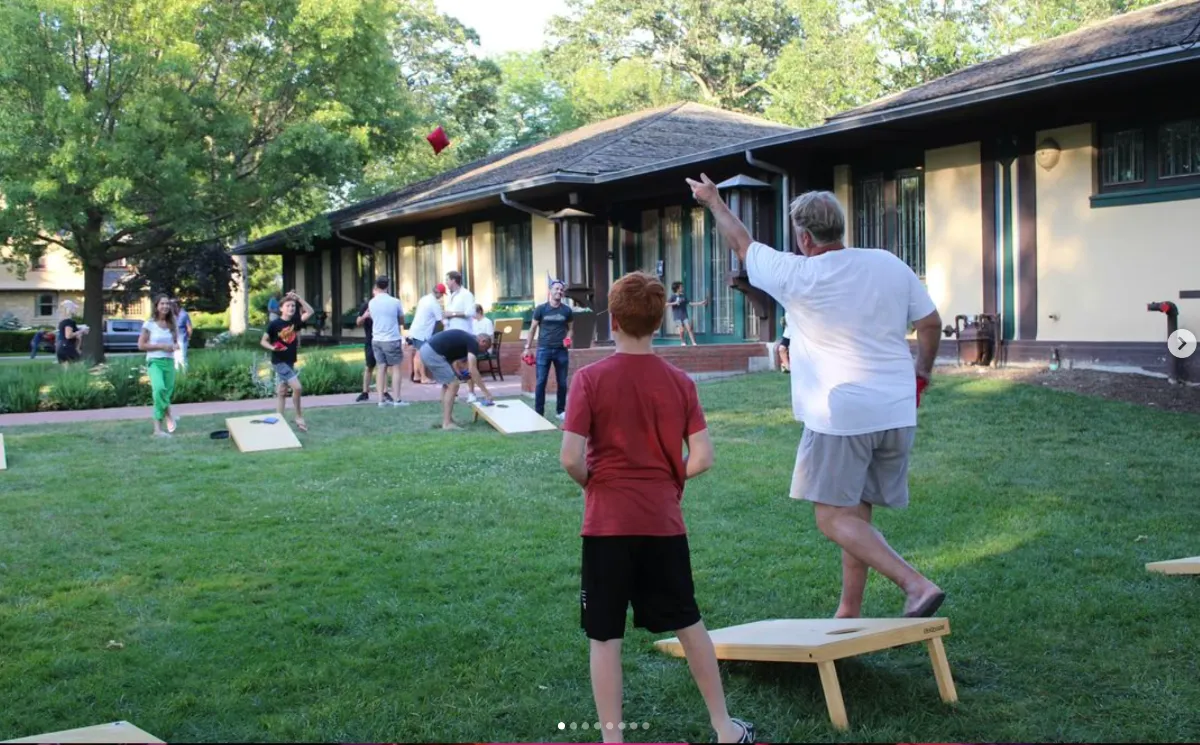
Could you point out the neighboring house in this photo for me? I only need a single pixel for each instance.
(1057, 188)
(52, 279)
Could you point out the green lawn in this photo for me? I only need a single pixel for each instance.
(393, 582)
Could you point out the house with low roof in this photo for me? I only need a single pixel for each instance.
(1054, 192)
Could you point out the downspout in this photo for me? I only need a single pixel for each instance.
(523, 207)
(785, 193)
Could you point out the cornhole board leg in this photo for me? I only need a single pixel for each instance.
(941, 670)
(833, 695)
(1176, 566)
(3, 459)
(116, 732)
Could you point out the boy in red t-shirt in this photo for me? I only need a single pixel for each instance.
(628, 418)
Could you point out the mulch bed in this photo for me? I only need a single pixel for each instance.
(1130, 387)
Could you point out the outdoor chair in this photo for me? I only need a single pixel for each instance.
(492, 358)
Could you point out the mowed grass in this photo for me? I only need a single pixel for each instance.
(392, 582)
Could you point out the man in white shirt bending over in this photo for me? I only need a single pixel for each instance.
(460, 305)
(387, 321)
(853, 380)
(425, 320)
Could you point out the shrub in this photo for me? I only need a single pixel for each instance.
(74, 388)
(127, 382)
(323, 373)
(16, 341)
(224, 375)
(21, 388)
(248, 340)
(210, 320)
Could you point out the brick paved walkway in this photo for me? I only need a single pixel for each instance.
(508, 389)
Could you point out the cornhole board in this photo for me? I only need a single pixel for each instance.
(3, 458)
(512, 416)
(117, 732)
(822, 641)
(1176, 566)
(252, 437)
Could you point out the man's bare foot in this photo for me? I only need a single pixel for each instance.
(924, 602)
(450, 425)
(300, 425)
(847, 613)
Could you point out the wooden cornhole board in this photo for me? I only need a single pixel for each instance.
(821, 641)
(122, 732)
(3, 459)
(512, 416)
(253, 438)
(1176, 566)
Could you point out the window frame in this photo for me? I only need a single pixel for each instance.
(500, 267)
(889, 227)
(1153, 187)
(38, 304)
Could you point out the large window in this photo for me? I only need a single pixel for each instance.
(889, 213)
(466, 259)
(513, 260)
(366, 274)
(45, 305)
(429, 252)
(699, 288)
(1157, 154)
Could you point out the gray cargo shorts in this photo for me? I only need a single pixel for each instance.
(846, 470)
(389, 353)
(437, 366)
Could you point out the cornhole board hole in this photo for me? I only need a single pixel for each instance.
(822, 641)
(1176, 566)
(512, 416)
(252, 435)
(122, 732)
(3, 458)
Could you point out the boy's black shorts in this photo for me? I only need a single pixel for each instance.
(654, 573)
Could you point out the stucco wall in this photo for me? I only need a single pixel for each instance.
(485, 271)
(23, 305)
(842, 190)
(407, 291)
(449, 253)
(544, 259)
(954, 230)
(1099, 267)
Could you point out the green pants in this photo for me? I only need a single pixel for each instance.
(162, 384)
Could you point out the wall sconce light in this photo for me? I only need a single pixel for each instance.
(1048, 153)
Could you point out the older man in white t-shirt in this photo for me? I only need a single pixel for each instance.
(853, 380)
(425, 319)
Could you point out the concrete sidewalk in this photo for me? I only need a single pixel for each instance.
(411, 392)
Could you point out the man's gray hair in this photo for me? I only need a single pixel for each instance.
(821, 214)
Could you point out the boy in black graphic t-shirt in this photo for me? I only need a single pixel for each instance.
(282, 339)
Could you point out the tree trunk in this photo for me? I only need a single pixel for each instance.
(93, 311)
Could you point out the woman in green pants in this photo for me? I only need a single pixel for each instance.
(159, 340)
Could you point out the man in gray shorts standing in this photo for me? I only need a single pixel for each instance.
(853, 380)
(387, 329)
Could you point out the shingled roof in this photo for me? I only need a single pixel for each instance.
(602, 149)
(1159, 27)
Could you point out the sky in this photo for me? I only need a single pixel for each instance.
(505, 25)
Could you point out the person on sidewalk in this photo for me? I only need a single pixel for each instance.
(364, 321)
(551, 327)
(460, 305)
(282, 339)
(629, 418)
(185, 335)
(854, 385)
(425, 320)
(387, 334)
(160, 341)
(679, 304)
(449, 357)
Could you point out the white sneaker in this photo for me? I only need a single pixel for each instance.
(562, 416)
(401, 403)
(472, 398)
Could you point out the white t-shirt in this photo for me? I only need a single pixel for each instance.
(425, 318)
(386, 312)
(483, 327)
(461, 302)
(848, 314)
(158, 335)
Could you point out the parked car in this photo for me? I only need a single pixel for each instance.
(121, 335)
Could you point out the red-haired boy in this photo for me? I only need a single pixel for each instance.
(628, 418)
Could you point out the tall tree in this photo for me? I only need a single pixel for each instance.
(129, 127)
(726, 48)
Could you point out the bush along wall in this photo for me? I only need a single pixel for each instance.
(213, 375)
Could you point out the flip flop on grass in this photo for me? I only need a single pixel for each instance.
(928, 607)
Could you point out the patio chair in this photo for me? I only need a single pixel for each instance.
(491, 358)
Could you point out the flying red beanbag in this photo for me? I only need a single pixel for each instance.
(921, 385)
(438, 139)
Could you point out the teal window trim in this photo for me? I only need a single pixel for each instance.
(1129, 197)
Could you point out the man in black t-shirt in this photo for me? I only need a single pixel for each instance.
(553, 320)
(449, 358)
(282, 340)
(364, 320)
